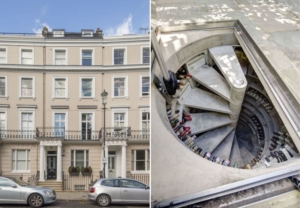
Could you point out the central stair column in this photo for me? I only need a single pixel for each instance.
(227, 61)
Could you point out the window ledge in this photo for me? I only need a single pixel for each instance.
(21, 171)
(4, 96)
(141, 172)
(120, 97)
(92, 98)
(53, 98)
(145, 96)
(27, 98)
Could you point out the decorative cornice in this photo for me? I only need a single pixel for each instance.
(143, 106)
(26, 106)
(4, 105)
(87, 106)
(120, 106)
(59, 107)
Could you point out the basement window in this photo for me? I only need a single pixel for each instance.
(79, 187)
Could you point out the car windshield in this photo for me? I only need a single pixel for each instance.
(19, 182)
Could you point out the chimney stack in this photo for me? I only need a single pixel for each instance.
(45, 31)
(99, 32)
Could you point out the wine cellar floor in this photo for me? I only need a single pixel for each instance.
(242, 127)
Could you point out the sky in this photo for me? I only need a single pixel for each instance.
(114, 17)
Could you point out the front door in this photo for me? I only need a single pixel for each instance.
(51, 167)
(111, 166)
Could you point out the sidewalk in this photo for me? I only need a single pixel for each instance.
(72, 196)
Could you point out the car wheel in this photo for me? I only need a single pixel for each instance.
(103, 200)
(35, 200)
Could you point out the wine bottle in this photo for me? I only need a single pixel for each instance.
(225, 162)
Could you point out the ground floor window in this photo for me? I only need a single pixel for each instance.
(140, 160)
(21, 160)
(80, 158)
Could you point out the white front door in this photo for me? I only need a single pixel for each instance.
(111, 166)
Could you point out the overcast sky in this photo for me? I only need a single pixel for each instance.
(114, 17)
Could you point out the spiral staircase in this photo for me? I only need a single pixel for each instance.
(236, 116)
(207, 97)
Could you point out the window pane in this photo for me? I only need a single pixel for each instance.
(79, 163)
(140, 165)
(2, 91)
(60, 54)
(26, 82)
(26, 53)
(60, 83)
(146, 56)
(60, 62)
(21, 165)
(87, 54)
(27, 92)
(2, 81)
(21, 155)
(27, 61)
(140, 154)
(60, 92)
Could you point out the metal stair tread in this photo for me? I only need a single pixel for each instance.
(211, 139)
(224, 148)
(211, 79)
(202, 99)
(202, 122)
(235, 156)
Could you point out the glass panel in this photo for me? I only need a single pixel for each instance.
(29, 116)
(2, 124)
(87, 158)
(87, 87)
(2, 60)
(140, 154)
(86, 62)
(146, 56)
(21, 154)
(60, 83)
(60, 54)
(27, 92)
(2, 81)
(2, 116)
(27, 61)
(140, 165)
(87, 92)
(60, 62)
(87, 54)
(2, 91)
(79, 163)
(60, 92)
(89, 116)
(28, 155)
(26, 53)
(83, 117)
(26, 82)
(21, 165)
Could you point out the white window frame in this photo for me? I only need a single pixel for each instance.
(119, 110)
(113, 87)
(141, 86)
(144, 110)
(87, 49)
(22, 48)
(80, 88)
(90, 33)
(14, 165)
(2, 47)
(60, 49)
(6, 95)
(74, 156)
(93, 120)
(134, 171)
(66, 119)
(57, 35)
(33, 87)
(53, 88)
(4, 110)
(142, 47)
(27, 110)
(113, 55)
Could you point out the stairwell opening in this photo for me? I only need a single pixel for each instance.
(200, 117)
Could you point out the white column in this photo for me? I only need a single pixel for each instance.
(59, 163)
(106, 165)
(123, 162)
(42, 177)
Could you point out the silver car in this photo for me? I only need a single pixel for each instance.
(14, 191)
(118, 190)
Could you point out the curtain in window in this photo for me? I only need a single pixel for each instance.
(26, 87)
(119, 87)
(2, 55)
(60, 87)
(60, 57)
(87, 87)
(27, 57)
(2, 86)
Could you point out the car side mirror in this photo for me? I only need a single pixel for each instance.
(147, 187)
(14, 186)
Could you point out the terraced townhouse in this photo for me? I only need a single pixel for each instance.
(52, 113)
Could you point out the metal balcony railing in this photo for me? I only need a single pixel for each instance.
(60, 132)
(124, 132)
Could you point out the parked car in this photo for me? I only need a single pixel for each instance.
(118, 190)
(14, 191)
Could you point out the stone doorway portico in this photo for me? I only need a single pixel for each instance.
(50, 160)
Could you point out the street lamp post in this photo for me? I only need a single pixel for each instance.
(104, 99)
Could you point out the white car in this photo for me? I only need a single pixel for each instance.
(118, 190)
